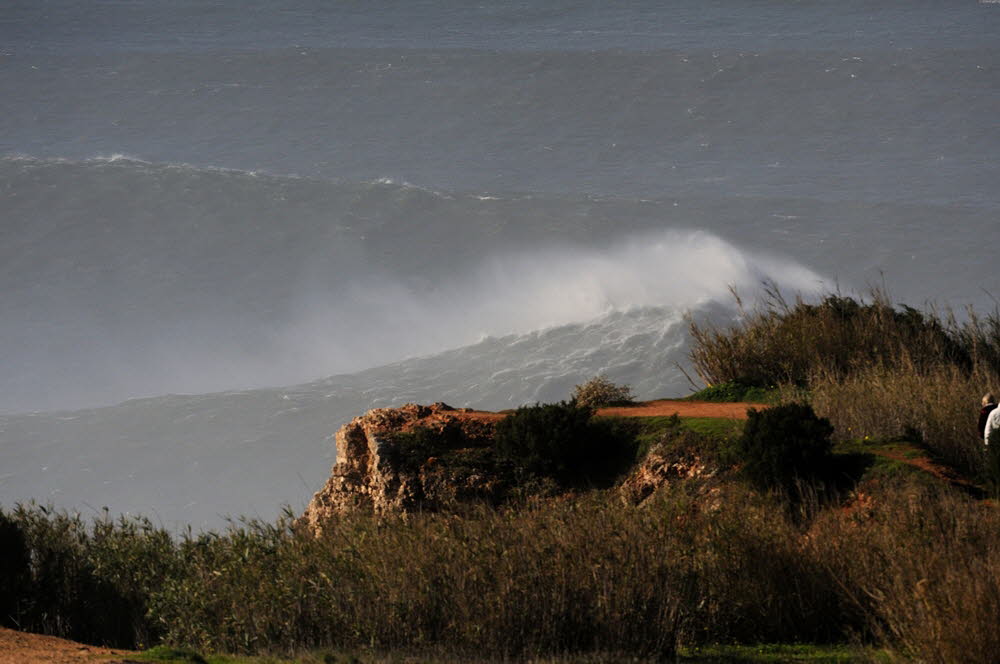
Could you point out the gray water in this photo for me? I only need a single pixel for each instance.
(485, 204)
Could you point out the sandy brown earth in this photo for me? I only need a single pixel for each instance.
(24, 648)
(667, 407)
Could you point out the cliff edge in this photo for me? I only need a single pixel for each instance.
(386, 464)
(425, 458)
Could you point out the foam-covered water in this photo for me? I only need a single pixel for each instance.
(484, 204)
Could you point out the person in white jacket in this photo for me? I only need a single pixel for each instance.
(992, 424)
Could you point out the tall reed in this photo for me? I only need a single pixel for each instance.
(565, 576)
(937, 406)
(924, 565)
(86, 581)
(562, 577)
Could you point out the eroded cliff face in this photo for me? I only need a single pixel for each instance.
(376, 472)
(380, 469)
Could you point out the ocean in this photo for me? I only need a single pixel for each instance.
(228, 227)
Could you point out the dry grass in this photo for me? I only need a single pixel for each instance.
(779, 342)
(548, 578)
(912, 568)
(871, 368)
(924, 566)
(936, 407)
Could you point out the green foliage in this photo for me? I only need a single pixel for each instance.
(89, 583)
(716, 428)
(563, 441)
(646, 431)
(733, 392)
(416, 446)
(171, 655)
(707, 437)
(599, 392)
(773, 653)
(786, 444)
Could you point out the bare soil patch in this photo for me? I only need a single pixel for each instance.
(24, 648)
(667, 407)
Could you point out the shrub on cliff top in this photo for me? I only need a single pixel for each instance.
(563, 441)
(413, 448)
(599, 391)
(785, 444)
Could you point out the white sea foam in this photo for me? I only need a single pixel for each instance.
(531, 291)
(119, 156)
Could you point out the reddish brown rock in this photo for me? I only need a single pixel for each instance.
(373, 474)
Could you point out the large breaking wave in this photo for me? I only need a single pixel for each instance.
(125, 278)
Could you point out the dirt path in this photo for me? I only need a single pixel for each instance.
(25, 648)
(667, 407)
(928, 465)
(658, 408)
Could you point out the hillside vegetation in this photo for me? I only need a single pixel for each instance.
(850, 511)
(872, 368)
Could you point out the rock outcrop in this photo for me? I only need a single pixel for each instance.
(379, 471)
(449, 459)
(661, 468)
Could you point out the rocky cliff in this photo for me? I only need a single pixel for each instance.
(429, 457)
(384, 464)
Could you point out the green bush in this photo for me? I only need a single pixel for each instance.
(415, 447)
(563, 441)
(599, 392)
(784, 445)
(733, 392)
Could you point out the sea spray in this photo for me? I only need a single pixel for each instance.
(141, 279)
